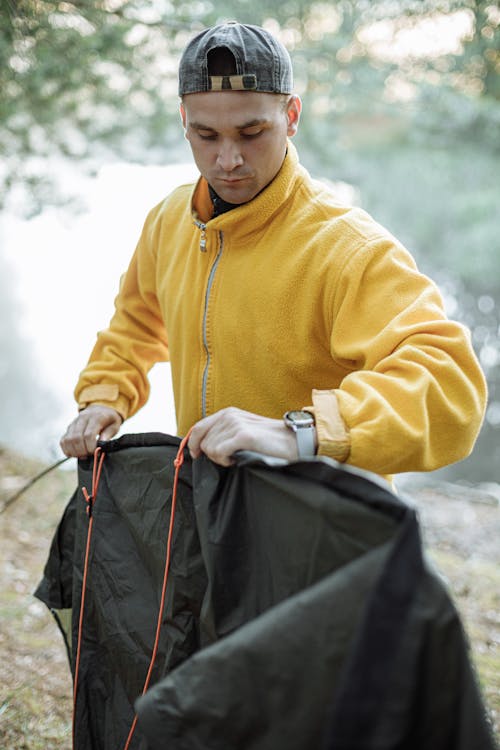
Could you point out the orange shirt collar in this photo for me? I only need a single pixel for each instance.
(202, 203)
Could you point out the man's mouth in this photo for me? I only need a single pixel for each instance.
(232, 180)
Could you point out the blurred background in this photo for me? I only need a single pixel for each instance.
(401, 111)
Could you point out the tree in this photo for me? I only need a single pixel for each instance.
(80, 80)
(76, 79)
(98, 77)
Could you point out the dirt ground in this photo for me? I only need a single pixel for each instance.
(35, 682)
(461, 529)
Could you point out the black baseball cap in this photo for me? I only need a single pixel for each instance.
(262, 63)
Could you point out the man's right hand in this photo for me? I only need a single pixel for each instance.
(94, 423)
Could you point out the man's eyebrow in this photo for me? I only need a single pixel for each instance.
(250, 124)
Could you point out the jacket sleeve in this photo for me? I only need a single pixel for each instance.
(116, 373)
(414, 395)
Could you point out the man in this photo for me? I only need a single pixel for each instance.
(269, 296)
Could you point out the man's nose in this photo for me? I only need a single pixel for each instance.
(229, 156)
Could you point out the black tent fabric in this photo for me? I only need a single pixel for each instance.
(300, 611)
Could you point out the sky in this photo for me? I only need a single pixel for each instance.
(65, 273)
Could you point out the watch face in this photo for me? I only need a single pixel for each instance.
(300, 418)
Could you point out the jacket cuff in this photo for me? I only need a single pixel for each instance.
(333, 436)
(106, 394)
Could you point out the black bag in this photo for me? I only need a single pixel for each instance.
(300, 613)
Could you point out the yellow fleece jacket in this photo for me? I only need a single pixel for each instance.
(292, 300)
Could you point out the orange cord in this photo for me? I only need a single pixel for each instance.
(90, 500)
(178, 461)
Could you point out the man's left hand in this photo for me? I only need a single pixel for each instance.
(220, 435)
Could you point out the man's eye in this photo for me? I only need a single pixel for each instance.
(206, 135)
(252, 133)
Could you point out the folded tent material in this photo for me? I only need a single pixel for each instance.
(300, 612)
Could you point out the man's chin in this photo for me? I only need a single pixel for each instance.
(239, 191)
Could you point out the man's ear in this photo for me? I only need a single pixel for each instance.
(293, 110)
(183, 115)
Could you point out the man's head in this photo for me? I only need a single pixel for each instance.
(237, 107)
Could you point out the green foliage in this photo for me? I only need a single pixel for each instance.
(445, 115)
(99, 76)
(76, 78)
(445, 207)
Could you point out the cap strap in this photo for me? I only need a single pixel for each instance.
(235, 83)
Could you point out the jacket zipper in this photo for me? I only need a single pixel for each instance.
(205, 314)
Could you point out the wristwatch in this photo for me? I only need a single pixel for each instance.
(302, 423)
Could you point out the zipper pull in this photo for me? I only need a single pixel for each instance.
(203, 239)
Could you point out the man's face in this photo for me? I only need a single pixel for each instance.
(239, 138)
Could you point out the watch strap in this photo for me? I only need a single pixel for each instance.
(305, 441)
(303, 425)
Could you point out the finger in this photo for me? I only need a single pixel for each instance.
(68, 443)
(109, 431)
(199, 433)
(93, 422)
(220, 455)
(222, 441)
(221, 434)
(81, 437)
(96, 428)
